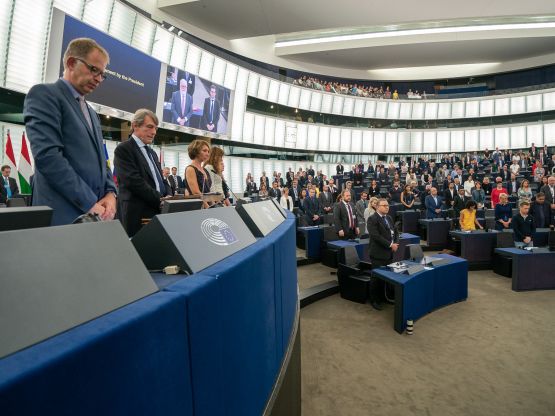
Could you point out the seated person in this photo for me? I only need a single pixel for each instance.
(467, 219)
(503, 213)
(523, 225)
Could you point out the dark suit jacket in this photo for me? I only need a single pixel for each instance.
(206, 114)
(138, 197)
(535, 211)
(380, 238)
(177, 111)
(510, 189)
(431, 206)
(326, 199)
(340, 169)
(275, 193)
(13, 188)
(506, 176)
(448, 198)
(71, 173)
(176, 181)
(547, 191)
(312, 207)
(341, 218)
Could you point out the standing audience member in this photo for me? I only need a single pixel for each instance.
(503, 213)
(524, 192)
(197, 178)
(407, 197)
(523, 225)
(286, 201)
(71, 175)
(9, 187)
(275, 192)
(361, 205)
(141, 186)
(478, 195)
(312, 210)
(345, 218)
(433, 204)
(541, 212)
(384, 241)
(215, 167)
(498, 190)
(176, 179)
(371, 209)
(326, 200)
(467, 219)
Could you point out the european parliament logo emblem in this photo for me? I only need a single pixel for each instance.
(218, 232)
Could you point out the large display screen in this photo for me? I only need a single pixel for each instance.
(133, 77)
(194, 102)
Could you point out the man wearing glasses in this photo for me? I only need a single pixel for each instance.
(384, 241)
(71, 174)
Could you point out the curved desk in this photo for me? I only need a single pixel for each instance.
(210, 344)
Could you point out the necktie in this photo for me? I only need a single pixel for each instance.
(85, 110)
(351, 222)
(7, 186)
(182, 105)
(158, 177)
(211, 111)
(288, 206)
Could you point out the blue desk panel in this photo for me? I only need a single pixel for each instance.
(134, 360)
(428, 290)
(242, 324)
(313, 238)
(531, 270)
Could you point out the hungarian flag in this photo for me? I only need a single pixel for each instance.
(10, 156)
(25, 168)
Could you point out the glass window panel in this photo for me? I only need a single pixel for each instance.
(294, 95)
(502, 106)
(231, 72)
(96, 14)
(323, 138)
(518, 137)
(429, 142)
(312, 143)
(534, 134)
(348, 106)
(444, 111)
(345, 140)
(379, 141)
(302, 136)
(248, 128)
(370, 109)
(471, 138)
(239, 104)
(502, 137)
(122, 22)
(486, 108)
(381, 109)
(304, 101)
(518, 105)
(359, 107)
(335, 138)
(431, 111)
(356, 141)
(252, 89)
(206, 64)
(457, 109)
(418, 111)
(162, 44)
(316, 101)
(273, 91)
(533, 103)
(218, 72)
(263, 87)
(143, 34)
(337, 107)
(393, 110)
(179, 53)
(416, 139)
(549, 101)
(486, 139)
(443, 141)
(403, 142)
(367, 141)
(457, 141)
(279, 136)
(283, 96)
(327, 101)
(192, 61)
(259, 129)
(391, 142)
(472, 109)
(549, 134)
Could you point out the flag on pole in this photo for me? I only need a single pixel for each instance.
(10, 157)
(25, 169)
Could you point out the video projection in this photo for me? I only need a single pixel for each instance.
(133, 77)
(191, 101)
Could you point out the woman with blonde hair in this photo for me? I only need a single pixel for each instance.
(371, 209)
(215, 168)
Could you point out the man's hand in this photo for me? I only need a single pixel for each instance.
(438, 210)
(552, 206)
(394, 247)
(109, 204)
(315, 218)
(527, 239)
(97, 209)
(341, 233)
(357, 231)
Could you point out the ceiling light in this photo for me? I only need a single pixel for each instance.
(412, 32)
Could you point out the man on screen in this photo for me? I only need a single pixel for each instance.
(71, 174)
(182, 105)
(211, 112)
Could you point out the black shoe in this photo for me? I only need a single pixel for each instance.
(376, 306)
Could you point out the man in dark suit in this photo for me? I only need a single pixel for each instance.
(345, 218)
(505, 174)
(295, 192)
(339, 168)
(541, 212)
(8, 187)
(176, 179)
(71, 174)
(549, 191)
(449, 195)
(211, 112)
(523, 225)
(139, 173)
(512, 185)
(432, 203)
(326, 200)
(181, 105)
(383, 177)
(170, 188)
(275, 191)
(313, 211)
(384, 241)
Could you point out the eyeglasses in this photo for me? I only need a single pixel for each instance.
(383, 205)
(93, 69)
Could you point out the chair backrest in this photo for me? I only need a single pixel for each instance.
(351, 256)
(329, 234)
(505, 239)
(415, 252)
(490, 213)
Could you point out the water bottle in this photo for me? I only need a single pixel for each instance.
(410, 327)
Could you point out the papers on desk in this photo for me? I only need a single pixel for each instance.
(409, 268)
(433, 261)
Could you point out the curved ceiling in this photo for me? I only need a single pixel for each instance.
(252, 28)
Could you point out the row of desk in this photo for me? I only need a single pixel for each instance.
(209, 344)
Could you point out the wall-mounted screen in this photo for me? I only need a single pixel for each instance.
(133, 77)
(191, 101)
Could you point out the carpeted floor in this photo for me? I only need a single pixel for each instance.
(491, 355)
